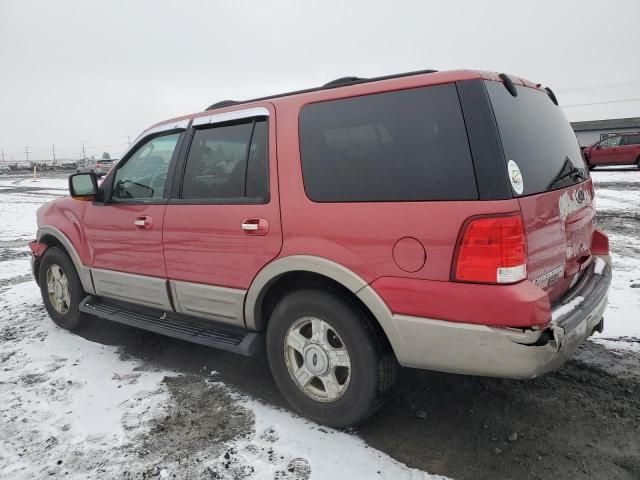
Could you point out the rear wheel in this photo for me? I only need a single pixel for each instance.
(327, 358)
(61, 289)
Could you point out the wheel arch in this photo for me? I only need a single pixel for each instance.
(289, 273)
(53, 237)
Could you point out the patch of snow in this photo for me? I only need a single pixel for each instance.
(14, 268)
(632, 345)
(329, 454)
(63, 398)
(599, 266)
(567, 308)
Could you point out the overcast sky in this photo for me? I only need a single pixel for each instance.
(102, 71)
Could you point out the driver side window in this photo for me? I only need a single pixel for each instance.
(611, 142)
(144, 174)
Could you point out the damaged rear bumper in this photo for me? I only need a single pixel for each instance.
(503, 352)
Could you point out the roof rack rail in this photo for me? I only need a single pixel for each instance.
(222, 104)
(343, 81)
(339, 82)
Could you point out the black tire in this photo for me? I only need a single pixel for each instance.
(638, 163)
(373, 365)
(72, 318)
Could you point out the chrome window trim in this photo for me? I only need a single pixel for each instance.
(229, 116)
(165, 127)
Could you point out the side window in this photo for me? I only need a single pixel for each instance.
(409, 145)
(228, 163)
(143, 175)
(632, 139)
(613, 141)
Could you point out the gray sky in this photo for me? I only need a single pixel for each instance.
(101, 71)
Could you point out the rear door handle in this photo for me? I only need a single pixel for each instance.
(255, 226)
(144, 221)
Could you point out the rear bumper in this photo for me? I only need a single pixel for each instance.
(507, 352)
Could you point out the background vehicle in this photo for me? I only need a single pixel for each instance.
(421, 219)
(99, 167)
(623, 149)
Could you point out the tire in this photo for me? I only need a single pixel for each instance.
(361, 387)
(638, 163)
(63, 311)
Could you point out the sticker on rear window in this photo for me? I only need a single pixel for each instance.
(515, 177)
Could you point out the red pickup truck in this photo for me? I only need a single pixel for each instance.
(623, 149)
(436, 220)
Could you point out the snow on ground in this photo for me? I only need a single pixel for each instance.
(74, 408)
(617, 200)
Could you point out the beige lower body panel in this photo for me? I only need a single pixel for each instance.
(481, 350)
(128, 287)
(209, 302)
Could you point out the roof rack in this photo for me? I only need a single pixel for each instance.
(222, 104)
(337, 83)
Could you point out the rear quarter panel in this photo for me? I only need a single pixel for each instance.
(361, 236)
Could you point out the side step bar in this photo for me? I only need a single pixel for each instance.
(211, 334)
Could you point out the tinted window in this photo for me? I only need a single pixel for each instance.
(632, 139)
(217, 166)
(399, 146)
(144, 174)
(537, 136)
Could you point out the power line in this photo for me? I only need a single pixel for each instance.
(602, 103)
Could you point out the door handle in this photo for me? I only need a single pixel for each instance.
(144, 221)
(255, 226)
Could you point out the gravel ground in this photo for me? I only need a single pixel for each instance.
(211, 414)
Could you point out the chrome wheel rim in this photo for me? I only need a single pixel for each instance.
(317, 359)
(58, 289)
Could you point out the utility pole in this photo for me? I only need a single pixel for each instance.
(84, 157)
(129, 140)
(2, 151)
(53, 150)
(26, 152)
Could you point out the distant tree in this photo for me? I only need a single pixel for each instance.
(93, 157)
(106, 156)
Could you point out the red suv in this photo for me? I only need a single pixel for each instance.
(436, 220)
(614, 150)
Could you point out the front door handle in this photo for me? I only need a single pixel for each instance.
(255, 226)
(144, 221)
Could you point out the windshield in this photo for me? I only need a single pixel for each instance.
(536, 135)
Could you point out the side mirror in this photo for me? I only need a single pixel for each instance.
(598, 147)
(83, 186)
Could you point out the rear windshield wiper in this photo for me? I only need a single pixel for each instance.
(571, 172)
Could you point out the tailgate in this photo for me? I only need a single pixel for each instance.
(559, 225)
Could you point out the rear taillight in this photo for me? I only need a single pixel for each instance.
(492, 250)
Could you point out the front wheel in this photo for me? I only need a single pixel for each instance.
(61, 289)
(327, 358)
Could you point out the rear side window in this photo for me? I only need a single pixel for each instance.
(408, 145)
(228, 163)
(536, 135)
(632, 139)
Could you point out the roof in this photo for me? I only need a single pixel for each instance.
(612, 124)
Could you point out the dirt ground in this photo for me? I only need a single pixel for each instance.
(582, 421)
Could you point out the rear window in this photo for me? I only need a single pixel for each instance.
(408, 145)
(537, 136)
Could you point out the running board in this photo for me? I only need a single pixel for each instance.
(204, 332)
